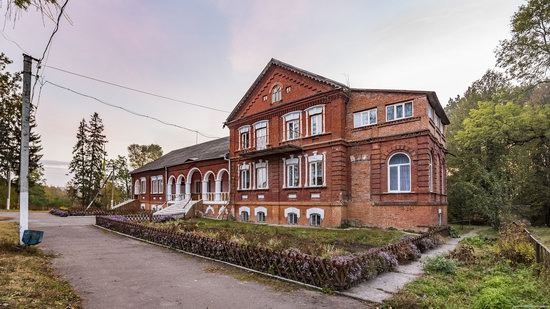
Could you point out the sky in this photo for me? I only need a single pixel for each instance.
(209, 52)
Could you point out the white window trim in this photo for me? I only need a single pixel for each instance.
(280, 98)
(360, 113)
(430, 175)
(260, 125)
(244, 166)
(292, 210)
(262, 164)
(143, 185)
(137, 187)
(308, 112)
(245, 209)
(399, 174)
(262, 209)
(316, 158)
(245, 129)
(318, 211)
(295, 115)
(286, 162)
(160, 185)
(395, 111)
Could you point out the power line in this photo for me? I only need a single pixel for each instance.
(39, 62)
(128, 111)
(135, 89)
(14, 42)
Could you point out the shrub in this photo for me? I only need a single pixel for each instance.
(463, 254)
(513, 245)
(59, 212)
(407, 252)
(387, 262)
(425, 244)
(475, 241)
(490, 298)
(405, 300)
(440, 264)
(453, 232)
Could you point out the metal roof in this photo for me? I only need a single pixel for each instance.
(214, 149)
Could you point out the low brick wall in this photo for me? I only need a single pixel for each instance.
(338, 273)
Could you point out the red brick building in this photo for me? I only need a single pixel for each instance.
(307, 150)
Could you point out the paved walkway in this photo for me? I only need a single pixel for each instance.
(113, 271)
(385, 285)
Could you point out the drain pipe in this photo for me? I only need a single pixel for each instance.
(228, 159)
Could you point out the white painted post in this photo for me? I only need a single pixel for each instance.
(9, 190)
(218, 190)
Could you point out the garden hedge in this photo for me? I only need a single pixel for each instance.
(338, 273)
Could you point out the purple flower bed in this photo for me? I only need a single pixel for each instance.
(59, 212)
(339, 273)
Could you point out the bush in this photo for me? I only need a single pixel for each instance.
(440, 264)
(453, 232)
(514, 245)
(475, 241)
(425, 244)
(463, 254)
(490, 298)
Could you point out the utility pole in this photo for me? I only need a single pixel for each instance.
(9, 190)
(113, 188)
(25, 132)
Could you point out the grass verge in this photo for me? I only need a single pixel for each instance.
(27, 279)
(316, 241)
(487, 281)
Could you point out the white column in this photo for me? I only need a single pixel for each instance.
(187, 190)
(204, 190)
(218, 190)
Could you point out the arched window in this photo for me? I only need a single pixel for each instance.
(260, 216)
(315, 219)
(244, 216)
(276, 94)
(137, 190)
(399, 173)
(292, 218)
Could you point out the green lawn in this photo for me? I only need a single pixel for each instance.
(317, 241)
(542, 234)
(27, 279)
(491, 282)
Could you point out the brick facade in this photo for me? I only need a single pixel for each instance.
(342, 170)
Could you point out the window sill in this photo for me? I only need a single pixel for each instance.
(398, 192)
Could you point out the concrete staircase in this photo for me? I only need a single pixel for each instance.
(179, 209)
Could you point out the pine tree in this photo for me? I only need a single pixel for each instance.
(96, 149)
(79, 186)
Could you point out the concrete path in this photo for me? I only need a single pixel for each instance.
(112, 271)
(385, 285)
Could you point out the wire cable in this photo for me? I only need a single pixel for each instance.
(14, 42)
(135, 89)
(129, 111)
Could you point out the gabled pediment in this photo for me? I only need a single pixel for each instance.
(295, 84)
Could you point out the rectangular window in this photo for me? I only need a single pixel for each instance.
(399, 111)
(245, 179)
(245, 140)
(293, 129)
(316, 173)
(364, 118)
(292, 175)
(316, 124)
(160, 184)
(261, 177)
(430, 112)
(143, 185)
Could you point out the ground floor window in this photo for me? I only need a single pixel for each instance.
(292, 218)
(315, 220)
(260, 216)
(244, 216)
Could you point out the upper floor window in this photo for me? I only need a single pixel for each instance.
(316, 170)
(244, 177)
(364, 118)
(276, 94)
(315, 119)
(143, 185)
(399, 173)
(160, 185)
(430, 175)
(136, 187)
(430, 112)
(244, 137)
(261, 135)
(399, 111)
(292, 173)
(261, 175)
(292, 125)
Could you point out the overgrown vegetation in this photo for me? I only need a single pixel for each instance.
(480, 273)
(542, 234)
(319, 242)
(500, 130)
(27, 279)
